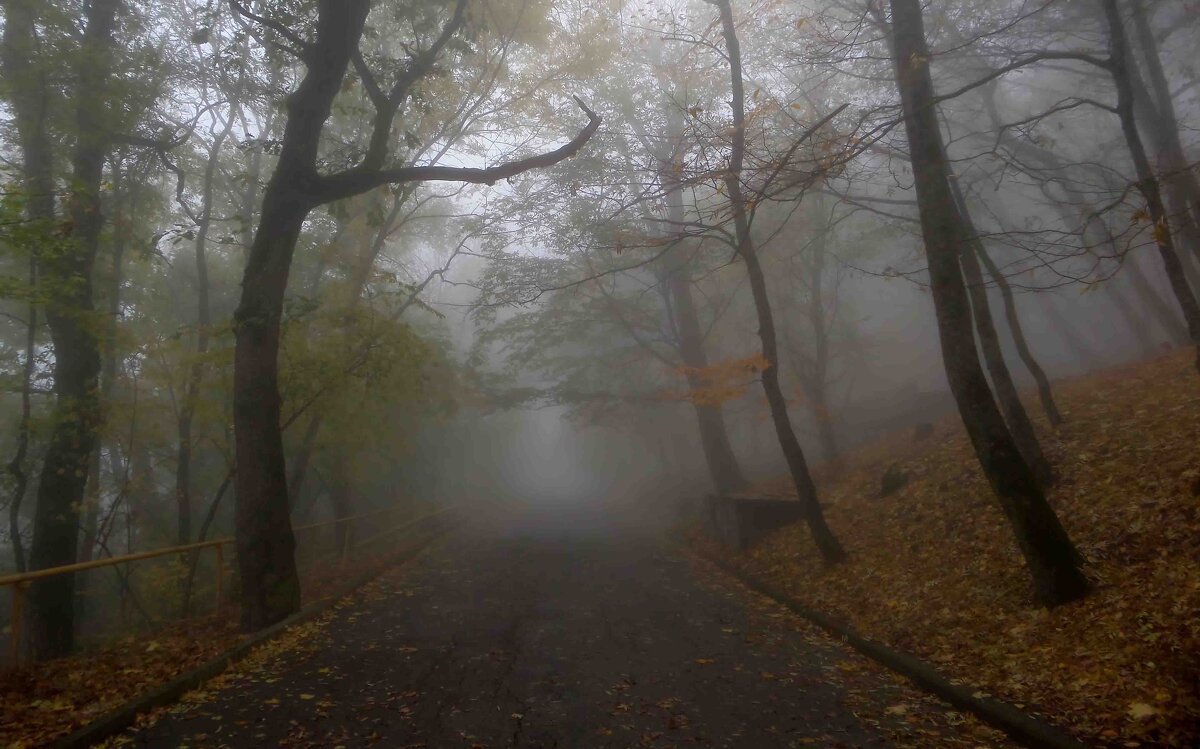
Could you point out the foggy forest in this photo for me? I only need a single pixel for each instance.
(599, 373)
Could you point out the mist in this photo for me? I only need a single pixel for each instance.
(887, 309)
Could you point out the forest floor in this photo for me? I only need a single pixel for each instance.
(45, 701)
(934, 569)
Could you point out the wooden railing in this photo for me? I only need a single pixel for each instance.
(20, 583)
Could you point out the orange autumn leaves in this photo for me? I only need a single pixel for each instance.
(717, 383)
(933, 568)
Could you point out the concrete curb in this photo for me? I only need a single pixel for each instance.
(124, 716)
(1021, 727)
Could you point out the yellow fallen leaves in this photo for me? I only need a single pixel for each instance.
(933, 568)
(44, 702)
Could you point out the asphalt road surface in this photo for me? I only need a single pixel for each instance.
(557, 630)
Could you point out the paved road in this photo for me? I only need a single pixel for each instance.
(557, 631)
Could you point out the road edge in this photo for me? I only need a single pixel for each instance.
(1020, 726)
(122, 717)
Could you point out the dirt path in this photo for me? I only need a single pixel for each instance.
(538, 634)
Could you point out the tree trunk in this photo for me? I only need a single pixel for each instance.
(818, 385)
(1009, 399)
(1045, 394)
(1180, 181)
(722, 462)
(16, 466)
(266, 547)
(806, 490)
(77, 357)
(265, 543)
(183, 471)
(723, 466)
(122, 218)
(1049, 553)
(28, 99)
(1148, 184)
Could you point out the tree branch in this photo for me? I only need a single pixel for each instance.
(302, 49)
(354, 182)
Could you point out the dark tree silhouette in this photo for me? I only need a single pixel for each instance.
(1049, 553)
(266, 558)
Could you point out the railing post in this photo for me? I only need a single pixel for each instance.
(345, 543)
(220, 577)
(18, 622)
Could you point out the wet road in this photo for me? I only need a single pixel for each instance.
(558, 631)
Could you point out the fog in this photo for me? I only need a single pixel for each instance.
(607, 258)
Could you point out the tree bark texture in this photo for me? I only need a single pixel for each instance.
(69, 315)
(1050, 556)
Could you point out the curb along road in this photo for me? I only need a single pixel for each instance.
(1021, 727)
(125, 715)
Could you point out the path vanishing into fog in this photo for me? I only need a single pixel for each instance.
(556, 630)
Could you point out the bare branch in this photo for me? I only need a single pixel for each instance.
(357, 181)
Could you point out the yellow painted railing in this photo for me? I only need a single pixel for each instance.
(20, 582)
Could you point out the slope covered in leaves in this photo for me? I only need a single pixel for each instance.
(934, 569)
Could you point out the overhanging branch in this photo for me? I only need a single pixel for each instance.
(355, 182)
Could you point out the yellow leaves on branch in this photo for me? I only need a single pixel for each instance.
(1162, 231)
(1162, 234)
(625, 240)
(724, 381)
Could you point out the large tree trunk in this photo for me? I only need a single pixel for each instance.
(76, 354)
(1049, 553)
(122, 219)
(1009, 399)
(266, 546)
(1148, 184)
(28, 98)
(806, 490)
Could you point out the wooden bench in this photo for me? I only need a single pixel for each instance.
(741, 522)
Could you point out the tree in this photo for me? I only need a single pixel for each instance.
(270, 588)
(1050, 555)
(67, 274)
(806, 489)
(28, 92)
(1118, 66)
